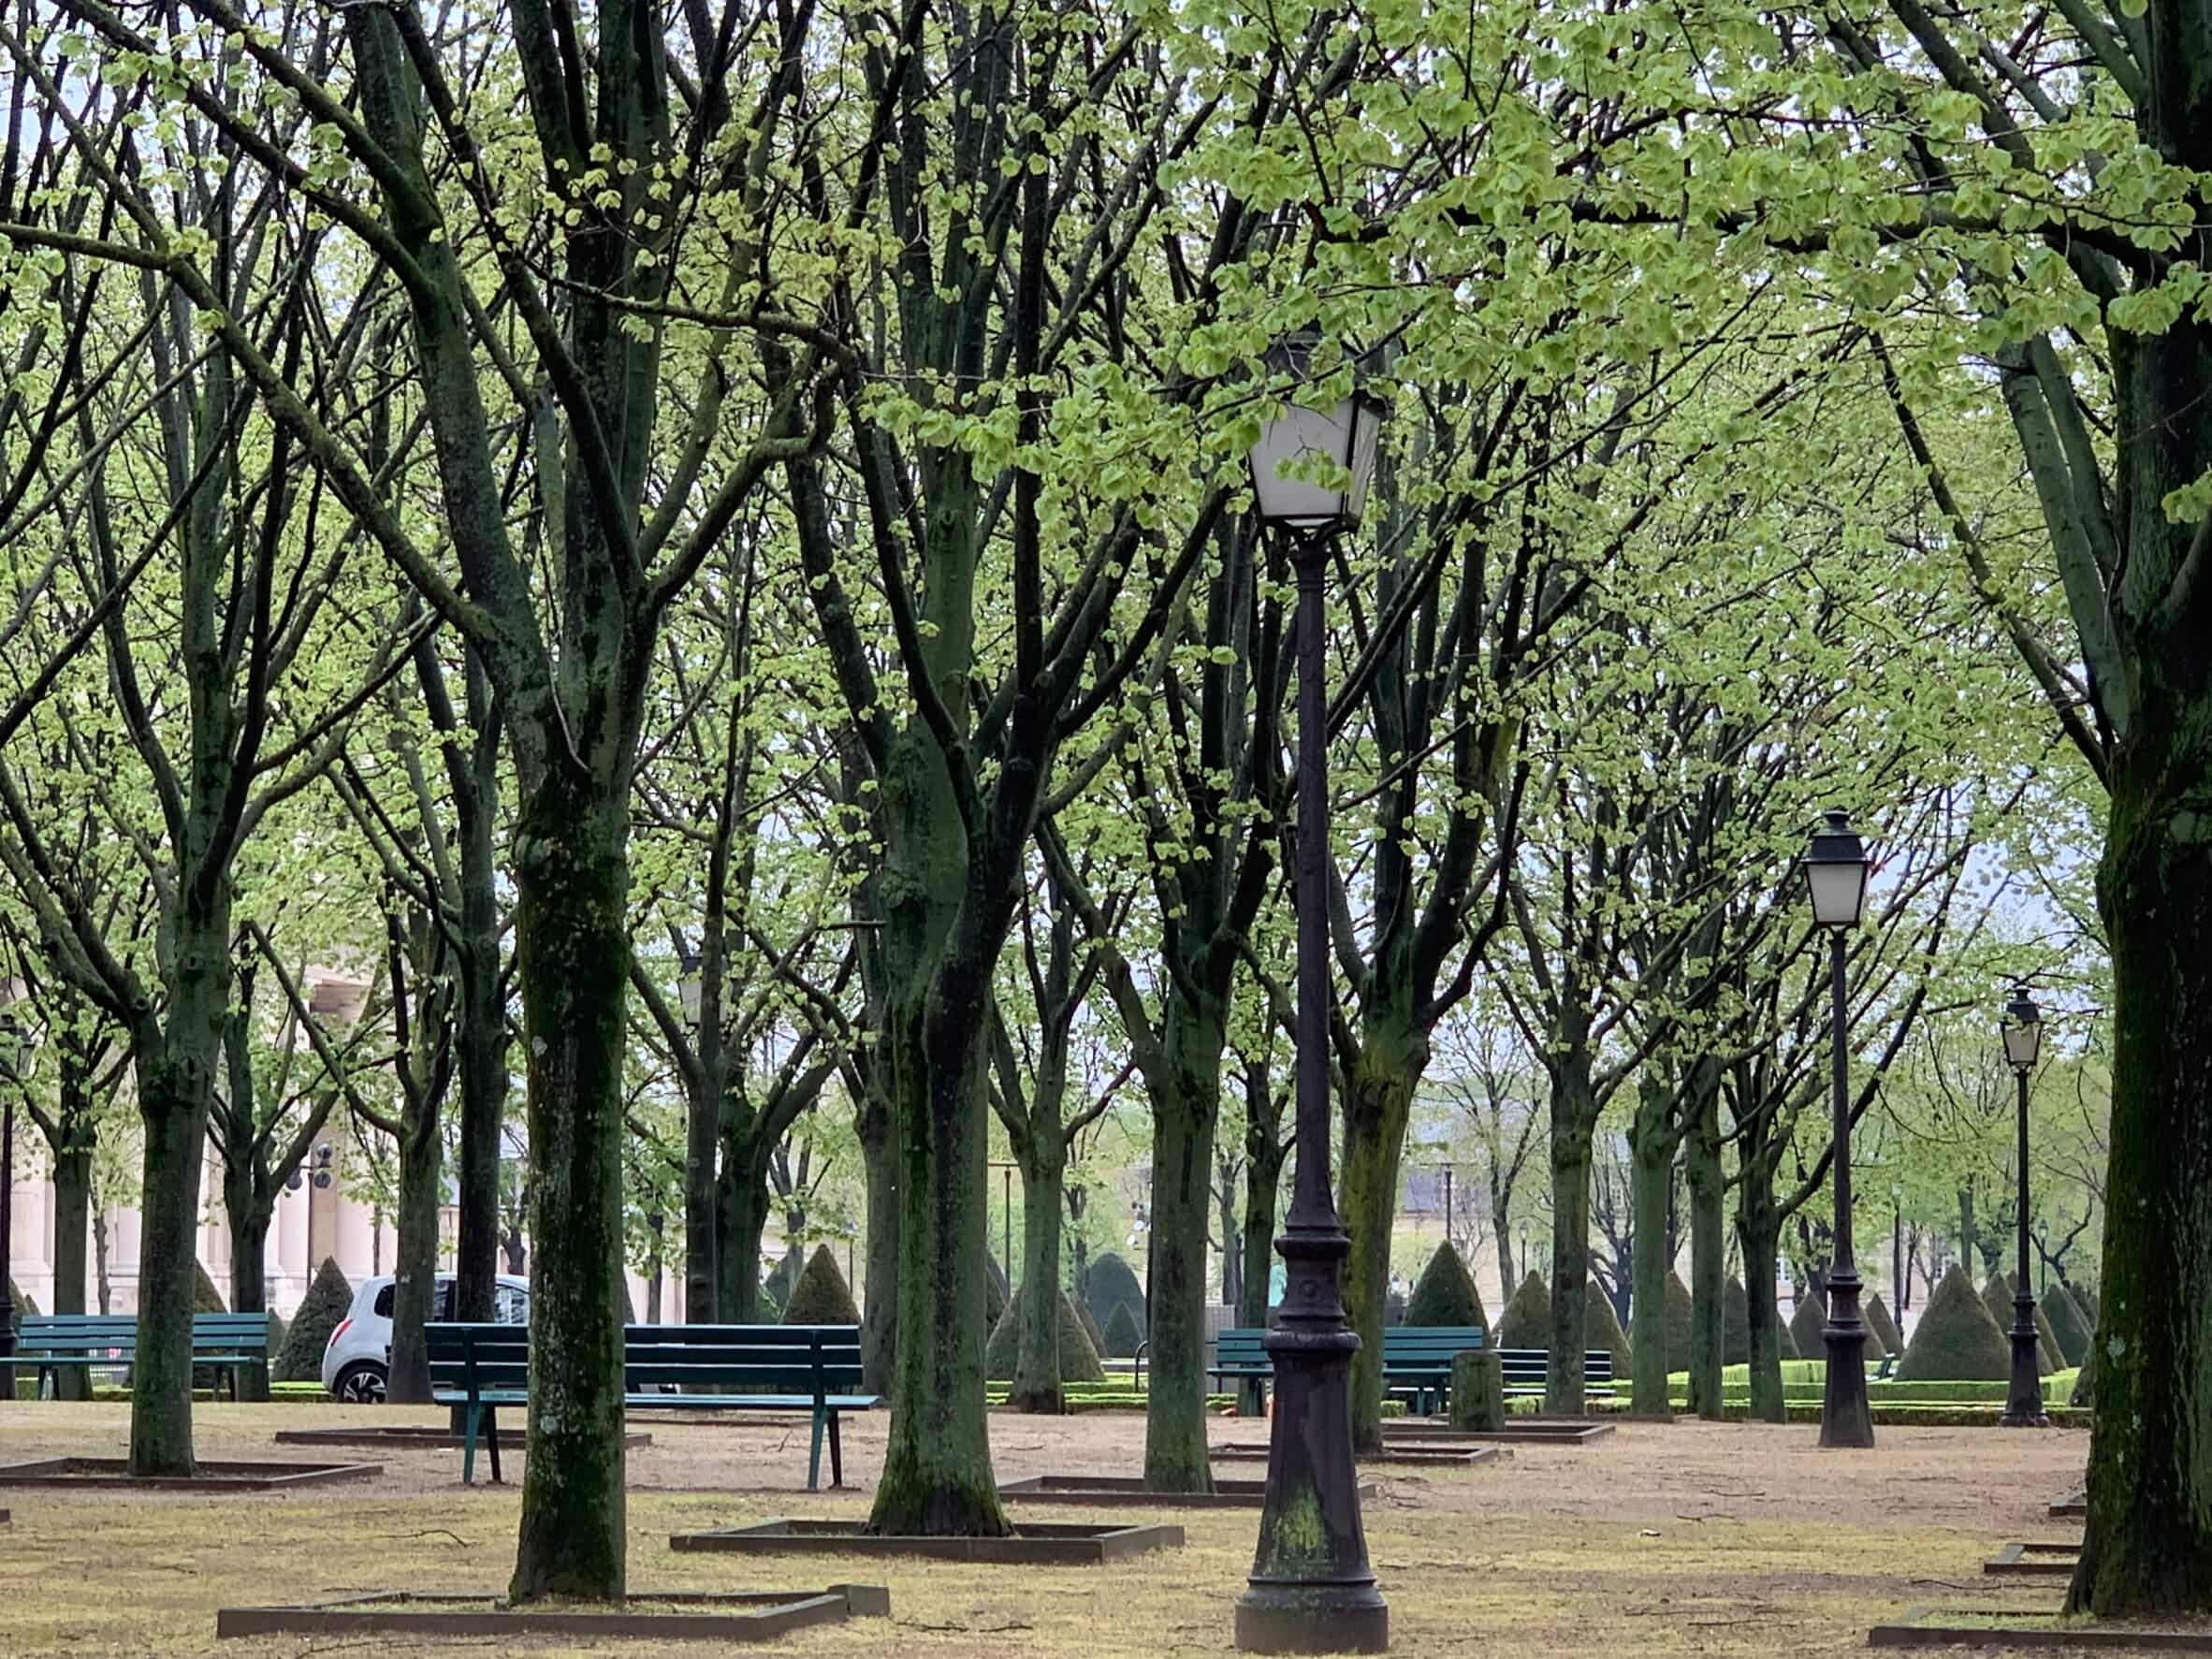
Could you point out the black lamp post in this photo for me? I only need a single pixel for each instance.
(2022, 1028)
(11, 1048)
(1836, 881)
(1311, 1589)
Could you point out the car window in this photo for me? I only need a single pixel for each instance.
(510, 1306)
(383, 1303)
(445, 1293)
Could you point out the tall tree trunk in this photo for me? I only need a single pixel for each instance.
(1501, 1222)
(572, 950)
(174, 1111)
(707, 1217)
(249, 1214)
(480, 1016)
(1182, 1120)
(1377, 1104)
(886, 1232)
(1759, 1229)
(1233, 1259)
(415, 1283)
(1708, 1250)
(2148, 1545)
(1036, 1347)
(1574, 1123)
(1264, 1155)
(1651, 1151)
(72, 1225)
(740, 1216)
(936, 1472)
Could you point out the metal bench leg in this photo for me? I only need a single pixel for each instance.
(814, 1457)
(836, 1453)
(469, 1444)
(491, 1432)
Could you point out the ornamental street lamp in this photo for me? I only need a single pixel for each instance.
(2022, 1028)
(1835, 867)
(1311, 1589)
(12, 1042)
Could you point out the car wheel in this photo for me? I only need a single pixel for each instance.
(361, 1385)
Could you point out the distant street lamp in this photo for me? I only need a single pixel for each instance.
(2022, 1028)
(1311, 1589)
(12, 1042)
(1835, 867)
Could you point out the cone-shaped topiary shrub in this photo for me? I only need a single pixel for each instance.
(18, 1304)
(1997, 1296)
(1786, 1344)
(1122, 1335)
(1445, 1294)
(1526, 1323)
(1806, 1324)
(206, 1299)
(1091, 1333)
(1079, 1357)
(2085, 1385)
(1601, 1327)
(328, 1300)
(1882, 1327)
(821, 1296)
(1735, 1323)
(2047, 1355)
(1681, 1318)
(2069, 1329)
(1112, 1280)
(1957, 1340)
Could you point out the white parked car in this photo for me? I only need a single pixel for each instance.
(359, 1353)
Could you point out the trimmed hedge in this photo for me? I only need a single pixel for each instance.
(821, 1297)
(1883, 1327)
(1079, 1359)
(1956, 1338)
(1445, 1294)
(1526, 1323)
(2085, 1382)
(993, 1294)
(1122, 1335)
(300, 1358)
(206, 1299)
(2070, 1328)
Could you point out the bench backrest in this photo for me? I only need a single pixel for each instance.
(68, 1335)
(813, 1360)
(1419, 1345)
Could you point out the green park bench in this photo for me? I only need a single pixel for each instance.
(1416, 1362)
(809, 1368)
(53, 1342)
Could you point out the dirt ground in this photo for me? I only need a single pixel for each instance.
(1688, 1538)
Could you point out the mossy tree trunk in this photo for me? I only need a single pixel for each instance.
(1037, 1350)
(1182, 1123)
(1652, 1138)
(480, 1003)
(1758, 1230)
(1266, 1150)
(1378, 1087)
(72, 1133)
(1575, 1106)
(571, 946)
(173, 1092)
(1208, 891)
(1708, 1188)
(2148, 1545)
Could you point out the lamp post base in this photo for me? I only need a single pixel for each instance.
(2023, 1404)
(1311, 1589)
(1846, 1416)
(1313, 1623)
